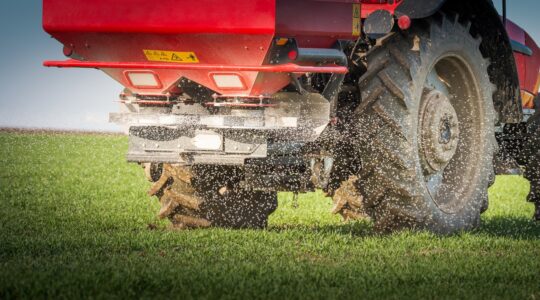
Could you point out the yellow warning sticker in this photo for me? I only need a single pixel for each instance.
(356, 20)
(171, 56)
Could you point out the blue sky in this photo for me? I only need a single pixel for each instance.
(34, 96)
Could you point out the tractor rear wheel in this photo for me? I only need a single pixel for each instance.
(425, 130)
(208, 196)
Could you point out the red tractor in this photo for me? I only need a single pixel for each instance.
(401, 110)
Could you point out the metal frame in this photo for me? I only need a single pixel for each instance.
(284, 68)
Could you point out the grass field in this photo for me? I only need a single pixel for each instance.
(75, 222)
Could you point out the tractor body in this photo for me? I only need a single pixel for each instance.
(268, 87)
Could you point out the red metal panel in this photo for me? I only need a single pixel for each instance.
(531, 82)
(367, 9)
(220, 33)
(163, 16)
(315, 23)
(236, 32)
(528, 66)
(215, 49)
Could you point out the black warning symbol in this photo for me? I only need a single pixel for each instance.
(175, 57)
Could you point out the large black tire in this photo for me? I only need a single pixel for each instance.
(531, 156)
(208, 196)
(425, 129)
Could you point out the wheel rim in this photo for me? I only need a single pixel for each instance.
(450, 139)
(439, 132)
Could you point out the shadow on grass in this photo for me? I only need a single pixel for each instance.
(518, 228)
(510, 227)
(361, 228)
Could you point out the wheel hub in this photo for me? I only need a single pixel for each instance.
(439, 132)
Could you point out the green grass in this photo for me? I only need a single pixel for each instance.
(74, 223)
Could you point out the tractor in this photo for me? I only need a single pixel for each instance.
(401, 111)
